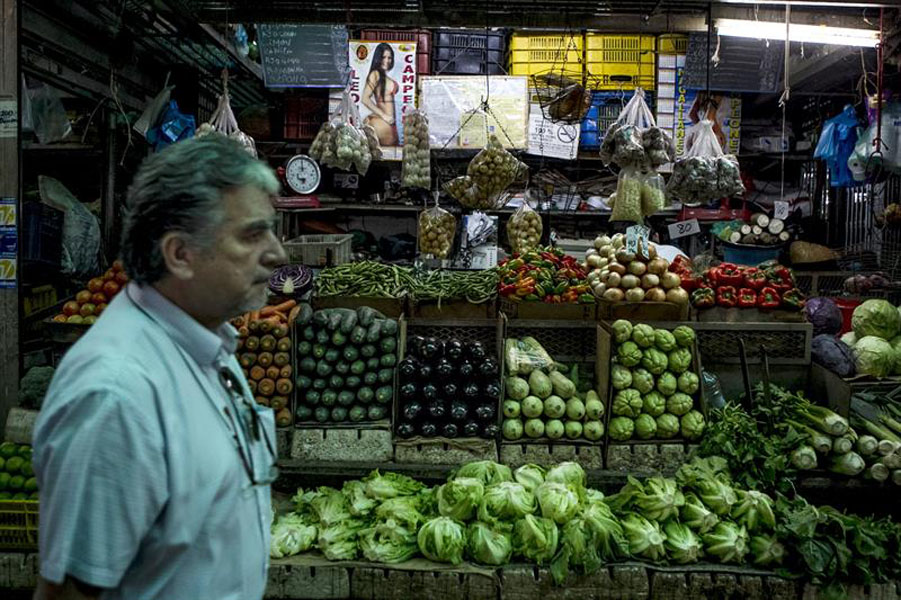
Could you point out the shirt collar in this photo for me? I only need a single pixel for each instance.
(203, 345)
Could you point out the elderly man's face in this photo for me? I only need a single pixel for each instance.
(235, 270)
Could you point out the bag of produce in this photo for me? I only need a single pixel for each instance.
(704, 173)
(375, 149)
(321, 148)
(635, 140)
(626, 203)
(524, 228)
(489, 174)
(416, 172)
(223, 122)
(436, 231)
(653, 198)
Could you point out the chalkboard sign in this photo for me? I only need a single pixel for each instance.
(295, 55)
(746, 65)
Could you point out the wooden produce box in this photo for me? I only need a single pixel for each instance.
(339, 442)
(785, 343)
(641, 312)
(390, 307)
(547, 312)
(718, 314)
(452, 309)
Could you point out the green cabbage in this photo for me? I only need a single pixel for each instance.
(570, 473)
(644, 537)
(658, 498)
(679, 404)
(876, 318)
(442, 539)
(645, 427)
(629, 354)
(506, 500)
(339, 541)
(679, 360)
(685, 336)
(682, 545)
(530, 476)
(360, 504)
(693, 425)
(849, 339)
(330, 507)
(486, 471)
(666, 384)
(727, 542)
(664, 340)
(535, 538)
(654, 361)
(688, 383)
(667, 425)
(389, 543)
(460, 497)
(558, 501)
(754, 510)
(291, 534)
(874, 356)
(621, 429)
(643, 335)
(489, 545)
(391, 485)
(620, 377)
(697, 516)
(405, 510)
(606, 530)
(622, 330)
(627, 403)
(654, 404)
(642, 380)
(577, 548)
(766, 551)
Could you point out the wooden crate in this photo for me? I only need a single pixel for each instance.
(544, 311)
(641, 312)
(452, 309)
(390, 307)
(342, 443)
(718, 314)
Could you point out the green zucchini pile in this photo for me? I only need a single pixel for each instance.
(345, 368)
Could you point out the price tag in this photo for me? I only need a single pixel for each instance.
(780, 210)
(684, 229)
(637, 239)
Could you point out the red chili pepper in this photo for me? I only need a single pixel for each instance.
(726, 296)
(747, 298)
(755, 278)
(703, 298)
(768, 298)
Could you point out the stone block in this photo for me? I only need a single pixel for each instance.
(18, 570)
(283, 441)
(884, 591)
(663, 458)
(751, 587)
(342, 445)
(669, 586)
(308, 582)
(373, 583)
(548, 455)
(777, 588)
(630, 583)
(442, 453)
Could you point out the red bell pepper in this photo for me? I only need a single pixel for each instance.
(793, 298)
(726, 296)
(689, 283)
(768, 298)
(755, 278)
(747, 298)
(778, 276)
(703, 298)
(727, 275)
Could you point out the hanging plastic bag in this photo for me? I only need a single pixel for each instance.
(174, 126)
(489, 175)
(704, 172)
(154, 110)
(524, 228)
(223, 121)
(81, 230)
(864, 159)
(836, 144)
(653, 198)
(343, 146)
(658, 145)
(437, 228)
(416, 168)
(320, 149)
(623, 141)
(48, 115)
(626, 204)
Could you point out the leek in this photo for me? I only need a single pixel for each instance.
(825, 420)
(866, 445)
(850, 464)
(878, 472)
(886, 447)
(804, 458)
(842, 445)
(877, 431)
(821, 442)
(896, 476)
(892, 461)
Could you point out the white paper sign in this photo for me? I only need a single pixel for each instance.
(633, 235)
(556, 140)
(780, 210)
(8, 118)
(684, 229)
(347, 181)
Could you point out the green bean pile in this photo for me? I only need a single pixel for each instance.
(473, 286)
(368, 279)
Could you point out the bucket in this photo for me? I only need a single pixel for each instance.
(847, 307)
(741, 254)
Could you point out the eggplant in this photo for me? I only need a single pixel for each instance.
(412, 411)
(450, 391)
(491, 431)
(489, 368)
(425, 373)
(408, 367)
(458, 411)
(486, 412)
(492, 391)
(444, 369)
(453, 350)
(408, 391)
(450, 430)
(431, 348)
(428, 430)
(406, 430)
(471, 392)
(414, 345)
(437, 410)
(429, 391)
(476, 352)
(466, 369)
(471, 429)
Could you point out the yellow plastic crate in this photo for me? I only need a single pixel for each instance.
(614, 62)
(19, 524)
(672, 43)
(540, 53)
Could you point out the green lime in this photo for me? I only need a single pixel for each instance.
(31, 484)
(2, 464)
(33, 496)
(27, 470)
(16, 483)
(4, 480)
(5, 495)
(7, 449)
(14, 464)
(20, 496)
(24, 451)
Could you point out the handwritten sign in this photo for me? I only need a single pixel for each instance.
(294, 55)
(781, 210)
(684, 229)
(8, 118)
(637, 239)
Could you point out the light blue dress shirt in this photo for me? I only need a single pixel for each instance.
(143, 490)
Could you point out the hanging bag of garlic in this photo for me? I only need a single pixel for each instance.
(223, 121)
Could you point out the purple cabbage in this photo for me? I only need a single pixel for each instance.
(824, 315)
(834, 354)
(291, 280)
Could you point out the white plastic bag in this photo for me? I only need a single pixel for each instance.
(704, 173)
(634, 140)
(626, 204)
(81, 230)
(223, 122)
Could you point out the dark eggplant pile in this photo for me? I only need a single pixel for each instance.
(448, 388)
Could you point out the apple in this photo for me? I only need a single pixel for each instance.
(95, 285)
(118, 266)
(71, 308)
(99, 309)
(83, 296)
(121, 278)
(98, 298)
(87, 309)
(75, 319)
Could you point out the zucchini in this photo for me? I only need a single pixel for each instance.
(352, 382)
(372, 364)
(322, 337)
(376, 412)
(319, 351)
(339, 414)
(386, 376)
(329, 398)
(348, 322)
(346, 398)
(365, 394)
(389, 328)
(304, 348)
(374, 332)
(342, 367)
(312, 397)
(303, 382)
(384, 394)
(358, 336)
(358, 367)
(308, 365)
(388, 360)
(388, 345)
(370, 378)
(323, 368)
(320, 317)
(332, 355)
(351, 354)
(308, 333)
(367, 315)
(368, 351)
(305, 315)
(338, 339)
(320, 384)
(336, 382)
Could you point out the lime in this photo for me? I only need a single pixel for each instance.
(2, 464)
(20, 496)
(24, 451)
(14, 464)
(7, 449)
(5, 495)
(4, 480)
(17, 482)
(27, 470)
(31, 484)
(33, 496)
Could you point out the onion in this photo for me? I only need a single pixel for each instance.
(624, 257)
(608, 252)
(649, 280)
(601, 241)
(594, 261)
(670, 280)
(655, 295)
(614, 295)
(677, 296)
(652, 251)
(637, 268)
(594, 276)
(635, 295)
(616, 267)
(614, 279)
(630, 281)
(590, 252)
(598, 288)
(657, 266)
(603, 262)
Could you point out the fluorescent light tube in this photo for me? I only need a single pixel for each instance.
(817, 34)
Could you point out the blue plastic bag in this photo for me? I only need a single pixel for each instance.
(837, 141)
(174, 126)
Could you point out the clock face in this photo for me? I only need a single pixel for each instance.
(302, 174)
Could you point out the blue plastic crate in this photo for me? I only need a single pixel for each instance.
(604, 110)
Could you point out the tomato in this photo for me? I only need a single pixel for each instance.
(121, 278)
(110, 288)
(98, 298)
(71, 308)
(75, 319)
(109, 275)
(83, 296)
(95, 285)
(87, 310)
(118, 266)
(99, 308)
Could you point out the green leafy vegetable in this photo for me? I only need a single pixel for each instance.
(489, 545)
(442, 539)
(535, 538)
(460, 497)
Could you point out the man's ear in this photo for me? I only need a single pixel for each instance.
(178, 254)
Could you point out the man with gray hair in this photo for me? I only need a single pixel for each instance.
(153, 461)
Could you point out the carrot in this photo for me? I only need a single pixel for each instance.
(278, 402)
(264, 359)
(266, 387)
(284, 386)
(280, 359)
(254, 316)
(272, 372)
(257, 372)
(292, 316)
(239, 321)
(243, 332)
(286, 372)
(284, 345)
(262, 400)
(280, 308)
(252, 342)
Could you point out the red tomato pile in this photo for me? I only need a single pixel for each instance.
(91, 302)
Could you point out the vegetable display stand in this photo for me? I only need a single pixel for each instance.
(664, 457)
(390, 307)
(719, 314)
(319, 250)
(444, 451)
(355, 443)
(785, 343)
(544, 311)
(641, 311)
(19, 524)
(452, 309)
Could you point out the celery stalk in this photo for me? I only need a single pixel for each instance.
(866, 445)
(896, 477)
(820, 442)
(825, 420)
(842, 445)
(850, 464)
(804, 458)
(886, 447)
(878, 472)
